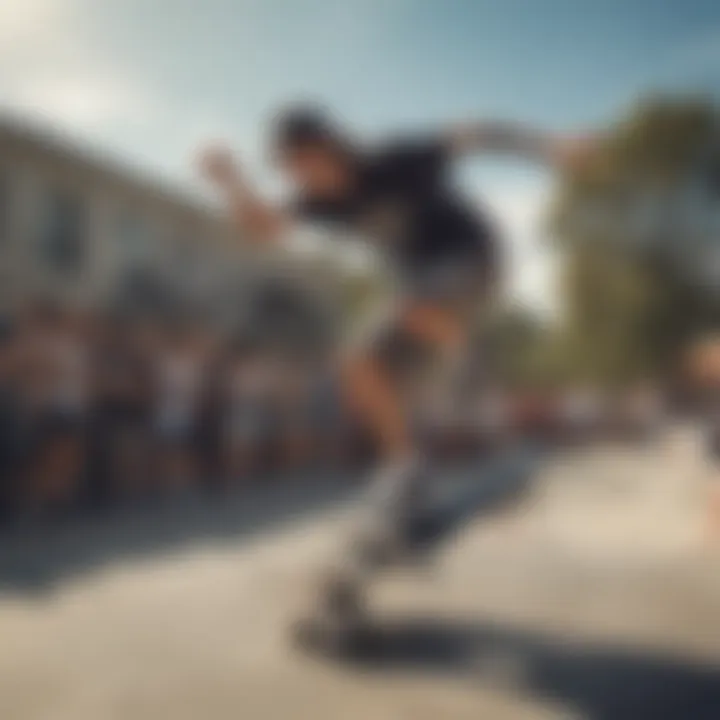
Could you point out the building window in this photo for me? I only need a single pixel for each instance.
(62, 239)
(133, 238)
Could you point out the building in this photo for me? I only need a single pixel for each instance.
(77, 227)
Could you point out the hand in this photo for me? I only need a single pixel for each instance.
(217, 164)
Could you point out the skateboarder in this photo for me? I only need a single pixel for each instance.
(444, 254)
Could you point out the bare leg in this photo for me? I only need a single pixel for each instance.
(373, 388)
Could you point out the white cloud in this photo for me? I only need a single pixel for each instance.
(520, 208)
(30, 19)
(54, 67)
(83, 101)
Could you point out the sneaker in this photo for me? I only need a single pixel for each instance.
(341, 598)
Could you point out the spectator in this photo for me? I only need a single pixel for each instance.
(179, 372)
(122, 387)
(10, 439)
(51, 375)
(246, 417)
(329, 427)
(112, 409)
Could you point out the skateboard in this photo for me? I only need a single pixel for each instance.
(340, 623)
(348, 628)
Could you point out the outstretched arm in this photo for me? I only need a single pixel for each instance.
(257, 219)
(524, 142)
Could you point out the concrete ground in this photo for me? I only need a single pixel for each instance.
(592, 596)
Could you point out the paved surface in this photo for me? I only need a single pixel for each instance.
(592, 597)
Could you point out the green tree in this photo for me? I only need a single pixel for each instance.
(519, 348)
(640, 233)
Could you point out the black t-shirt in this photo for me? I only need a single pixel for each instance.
(403, 201)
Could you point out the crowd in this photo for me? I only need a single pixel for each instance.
(98, 410)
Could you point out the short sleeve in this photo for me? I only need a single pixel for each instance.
(418, 163)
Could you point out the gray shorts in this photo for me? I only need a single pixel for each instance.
(459, 285)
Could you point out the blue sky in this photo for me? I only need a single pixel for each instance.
(149, 79)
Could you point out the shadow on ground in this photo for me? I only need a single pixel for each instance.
(34, 559)
(593, 682)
